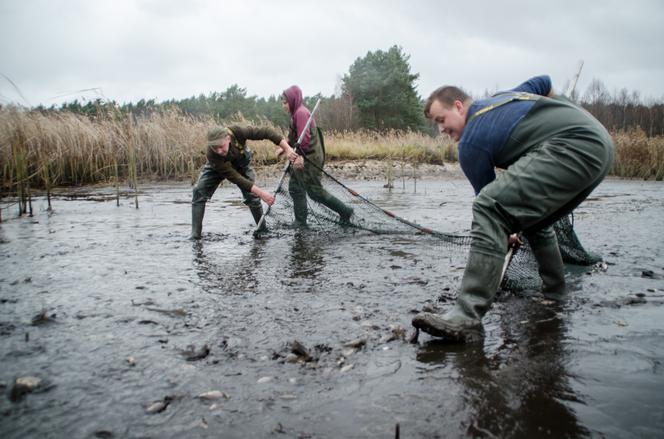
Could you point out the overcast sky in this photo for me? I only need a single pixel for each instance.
(127, 50)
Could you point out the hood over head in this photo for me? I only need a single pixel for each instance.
(293, 95)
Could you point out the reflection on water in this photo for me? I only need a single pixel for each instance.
(121, 282)
(237, 273)
(518, 388)
(305, 259)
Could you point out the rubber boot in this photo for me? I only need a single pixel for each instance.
(300, 209)
(257, 213)
(197, 212)
(478, 288)
(551, 270)
(344, 216)
(344, 211)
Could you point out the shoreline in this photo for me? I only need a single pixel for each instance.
(358, 169)
(371, 169)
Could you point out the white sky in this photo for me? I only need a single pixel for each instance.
(161, 49)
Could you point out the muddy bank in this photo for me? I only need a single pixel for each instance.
(378, 170)
(114, 324)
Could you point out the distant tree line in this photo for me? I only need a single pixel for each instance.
(624, 109)
(378, 93)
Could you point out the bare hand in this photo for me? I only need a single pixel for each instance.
(292, 155)
(299, 162)
(267, 197)
(278, 151)
(514, 241)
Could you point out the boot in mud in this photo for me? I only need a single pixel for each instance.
(463, 323)
(551, 270)
(344, 217)
(197, 212)
(301, 212)
(455, 325)
(345, 212)
(257, 213)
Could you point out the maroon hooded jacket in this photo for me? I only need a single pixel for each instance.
(299, 115)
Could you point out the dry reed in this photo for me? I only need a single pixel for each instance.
(62, 148)
(638, 156)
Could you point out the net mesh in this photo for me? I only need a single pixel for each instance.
(322, 216)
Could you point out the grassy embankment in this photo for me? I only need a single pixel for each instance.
(60, 149)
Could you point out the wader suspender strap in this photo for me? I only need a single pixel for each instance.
(521, 96)
(239, 146)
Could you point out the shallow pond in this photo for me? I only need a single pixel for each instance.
(125, 322)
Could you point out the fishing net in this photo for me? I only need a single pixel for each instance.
(326, 204)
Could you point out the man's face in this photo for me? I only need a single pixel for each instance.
(221, 148)
(450, 120)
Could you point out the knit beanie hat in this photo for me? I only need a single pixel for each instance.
(216, 134)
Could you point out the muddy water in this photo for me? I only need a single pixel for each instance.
(128, 305)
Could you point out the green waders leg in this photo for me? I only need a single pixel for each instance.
(205, 186)
(462, 323)
(549, 263)
(481, 278)
(316, 191)
(257, 213)
(299, 196)
(251, 200)
(197, 212)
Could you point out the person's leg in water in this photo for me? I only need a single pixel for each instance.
(480, 281)
(298, 194)
(207, 183)
(253, 201)
(312, 179)
(544, 245)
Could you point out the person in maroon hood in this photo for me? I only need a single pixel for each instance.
(306, 174)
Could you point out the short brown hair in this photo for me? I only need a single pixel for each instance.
(446, 95)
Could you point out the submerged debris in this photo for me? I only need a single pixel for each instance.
(177, 312)
(357, 343)
(213, 395)
(159, 406)
(43, 318)
(191, 354)
(300, 351)
(397, 332)
(24, 385)
(296, 352)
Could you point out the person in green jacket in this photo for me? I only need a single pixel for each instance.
(553, 152)
(229, 158)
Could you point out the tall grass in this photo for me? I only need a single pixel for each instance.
(405, 146)
(638, 156)
(61, 148)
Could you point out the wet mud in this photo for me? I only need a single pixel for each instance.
(114, 324)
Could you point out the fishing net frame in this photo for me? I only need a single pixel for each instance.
(521, 272)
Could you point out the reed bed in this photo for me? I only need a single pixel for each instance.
(638, 156)
(44, 150)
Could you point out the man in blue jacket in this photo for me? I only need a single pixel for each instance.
(554, 154)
